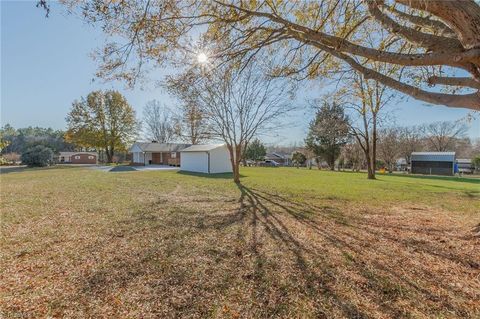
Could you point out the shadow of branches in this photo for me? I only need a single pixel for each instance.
(269, 255)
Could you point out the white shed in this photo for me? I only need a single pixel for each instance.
(210, 159)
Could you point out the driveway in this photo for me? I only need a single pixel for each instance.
(156, 168)
(124, 168)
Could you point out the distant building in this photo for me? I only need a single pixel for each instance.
(433, 163)
(156, 153)
(282, 159)
(465, 166)
(77, 158)
(401, 164)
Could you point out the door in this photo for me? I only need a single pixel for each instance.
(156, 158)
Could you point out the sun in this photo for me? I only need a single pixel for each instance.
(202, 58)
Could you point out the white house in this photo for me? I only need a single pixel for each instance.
(210, 159)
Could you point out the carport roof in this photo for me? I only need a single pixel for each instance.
(160, 147)
(202, 148)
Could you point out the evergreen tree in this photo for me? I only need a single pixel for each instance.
(328, 132)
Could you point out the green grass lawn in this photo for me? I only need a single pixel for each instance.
(287, 242)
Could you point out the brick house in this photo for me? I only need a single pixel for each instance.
(77, 158)
(156, 153)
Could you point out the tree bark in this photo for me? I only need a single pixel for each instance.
(235, 161)
(374, 146)
(462, 16)
(236, 172)
(109, 154)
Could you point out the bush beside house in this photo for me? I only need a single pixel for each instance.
(37, 156)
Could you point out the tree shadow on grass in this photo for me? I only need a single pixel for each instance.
(316, 284)
(286, 258)
(386, 282)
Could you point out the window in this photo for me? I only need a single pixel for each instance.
(90, 157)
(77, 157)
(173, 155)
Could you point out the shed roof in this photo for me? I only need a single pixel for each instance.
(202, 148)
(433, 156)
(160, 147)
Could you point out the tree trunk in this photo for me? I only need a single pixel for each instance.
(370, 166)
(236, 172)
(235, 152)
(109, 154)
(370, 170)
(374, 146)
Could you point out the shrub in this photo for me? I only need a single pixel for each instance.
(37, 156)
(298, 158)
(4, 161)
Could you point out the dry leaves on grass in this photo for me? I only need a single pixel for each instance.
(249, 253)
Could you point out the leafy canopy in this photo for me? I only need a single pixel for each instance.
(104, 120)
(256, 151)
(328, 132)
(432, 43)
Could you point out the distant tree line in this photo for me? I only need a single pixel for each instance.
(31, 145)
(394, 143)
(23, 138)
(357, 135)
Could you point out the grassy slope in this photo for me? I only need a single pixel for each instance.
(286, 243)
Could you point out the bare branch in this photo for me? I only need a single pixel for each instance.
(453, 81)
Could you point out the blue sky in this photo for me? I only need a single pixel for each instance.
(46, 64)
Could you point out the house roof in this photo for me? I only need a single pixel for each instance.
(75, 153)
(160, 147)
(433, 156)
(274, 156)
(202, 148)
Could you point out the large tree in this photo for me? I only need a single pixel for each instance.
(327, 133)
(411, 140)
(159, 122)
(389, 146)
(104, 120)
(367, 100)
(437, 42)
(238, 104)
(443, 135)
(191, 124)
